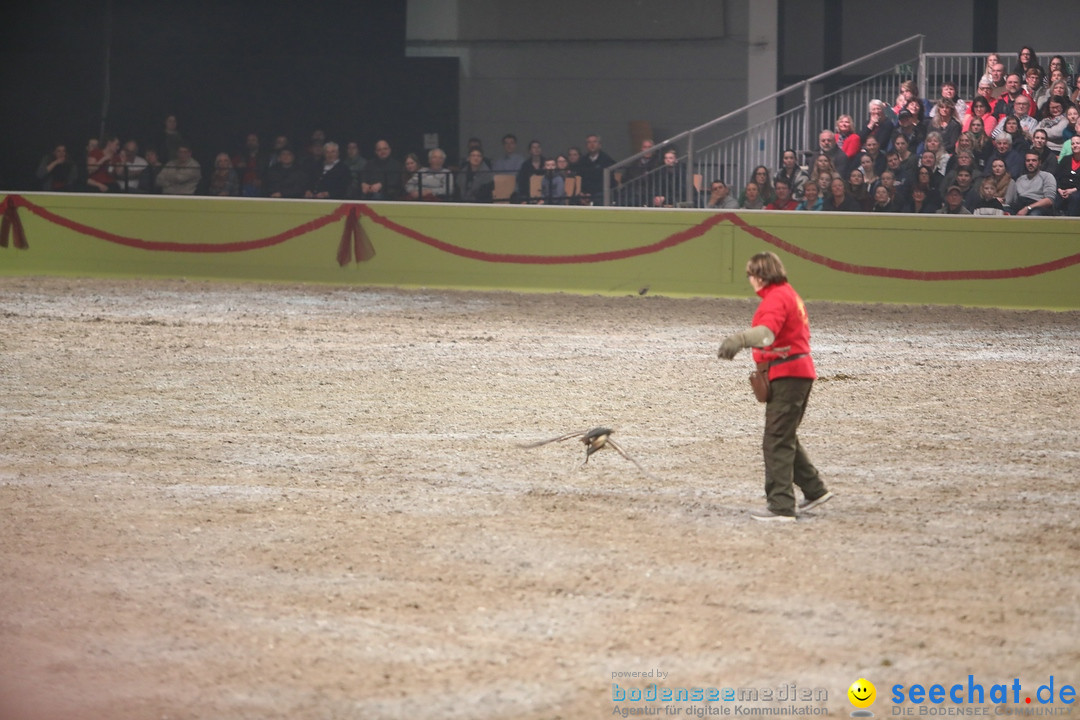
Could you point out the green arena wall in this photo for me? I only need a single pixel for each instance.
(854, 257)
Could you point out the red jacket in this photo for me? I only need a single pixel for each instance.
(782, 311)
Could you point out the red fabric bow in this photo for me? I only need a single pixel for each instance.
(12, 222)
(354, 239)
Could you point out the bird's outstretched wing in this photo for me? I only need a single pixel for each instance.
(618, 449)
(560, 438)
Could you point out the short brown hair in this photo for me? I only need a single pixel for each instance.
(767, 267)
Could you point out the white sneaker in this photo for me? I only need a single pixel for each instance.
(769, 516)
(811, 504)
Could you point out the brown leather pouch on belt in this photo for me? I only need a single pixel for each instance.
(759, 382)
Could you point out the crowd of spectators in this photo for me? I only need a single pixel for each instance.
(320, 170)
(1014, 148)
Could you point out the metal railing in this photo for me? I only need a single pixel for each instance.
(730, 146)
(965, 70)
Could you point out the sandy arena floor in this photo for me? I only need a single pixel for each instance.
(253, 501)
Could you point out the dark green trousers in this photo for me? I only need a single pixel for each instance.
(786, 462)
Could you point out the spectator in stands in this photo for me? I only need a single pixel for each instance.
(981, 145)
(856, 189)
(474, 143)
(1011, 126)
(964, 143)
(964, 179)
(410, 177)
(476, 181)
(1058, 63)
(532, 167)
(720, 197)
(929, 180)
(922, 201)
(945, 123)
(822, 164)
(635, 180)
(812, 199)
(511, 159)
(935, 147)
(99, 166)
(553, 185)
(918, 111)
(1075, 94)
(838, 200)
(1004, 104)
(764, 182)
(669, 185)
(980, 109)
(751, 197)
(1047, 157)
(148, 177)
(1072, 114)
(58, 172)
(1025, 60)
(180, 176)
(171, 139)
(988, 203)
(782, 199)
(315, 149)
(593, 164)
(992, 59)
(1035, 189)
(998, 80)
(961, 160)
(827, 146)
(954, 203)
(824, 183)
(901, 173)
(573, 154)
(381, 177)
(562, 165)
(1003, 150)
(878, 126)
(251, 164)
(795, 176)
(881, 200)
(313, 159)
(1059, 88)
(986, 92)
(355, 162)
(948, 92)
(907, 161)
(908, 91)
(223, 180)
(848, 140)
(897, 189)
(436, 180)
(1053, 122)
(280, 143)
(1034, 88)
(907, 127)
(285, 178)
(866, 169)
(331, 181)
(129, 168)
(1004, 185)
(1067, 201)
(871, 149)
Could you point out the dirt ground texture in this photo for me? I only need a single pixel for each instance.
(262, 501)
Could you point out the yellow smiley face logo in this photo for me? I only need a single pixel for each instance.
(862, 693)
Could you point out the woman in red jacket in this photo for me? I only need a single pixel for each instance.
(780, 336)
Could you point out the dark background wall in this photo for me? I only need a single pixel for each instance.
(223, 68)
